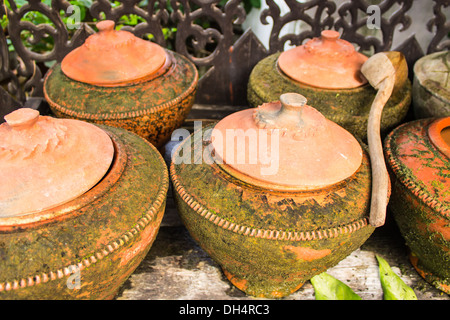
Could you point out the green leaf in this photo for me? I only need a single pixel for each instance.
(393, 286)
(327, 287)
(256, 3)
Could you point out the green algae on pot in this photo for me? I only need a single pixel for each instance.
(87, 247)
(418, 156)
(431, 94)
(348, 107)
(268, 238)
(148, 93)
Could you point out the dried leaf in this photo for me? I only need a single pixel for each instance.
(393, 286)
(327, 287)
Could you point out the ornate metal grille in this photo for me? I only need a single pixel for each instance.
(210, 33)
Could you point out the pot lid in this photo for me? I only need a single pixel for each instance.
(45, 162)
(287, 144)
(326, 62)
(113, 57)
(431, 71)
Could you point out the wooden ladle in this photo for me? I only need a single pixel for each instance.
(386, 72)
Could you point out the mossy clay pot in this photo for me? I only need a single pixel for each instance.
(431, 86)
(86, 246)
(120, 80)
(418, 156)
(343, 96)
(270, 233)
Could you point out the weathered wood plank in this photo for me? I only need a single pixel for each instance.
(177, 268)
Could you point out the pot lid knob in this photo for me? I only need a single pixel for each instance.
(22, 118)
(294, 117)
(105, 25)
(329, 35)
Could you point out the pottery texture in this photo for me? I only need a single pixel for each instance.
(426, 104)
(151, 109)
(420, 199)
(431, 97)
(104, 233)
(347, 107)
(268, 243)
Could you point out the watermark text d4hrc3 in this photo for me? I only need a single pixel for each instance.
(226, 309)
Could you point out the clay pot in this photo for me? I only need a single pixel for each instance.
(69, 226)
(327, 71)
(271, 229)
(418, 155)
(431, 93)
(120, 80)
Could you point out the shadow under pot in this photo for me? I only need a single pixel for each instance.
(327, 70)
(431, 86)
(275, 194)
(418, 156)
(120, 80)
(69, 226)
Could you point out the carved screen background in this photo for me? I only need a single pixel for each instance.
(225, 52)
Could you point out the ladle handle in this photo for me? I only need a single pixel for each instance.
(387, 73)
(380, 176)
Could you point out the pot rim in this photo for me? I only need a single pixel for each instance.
(435, 134)
(68, 209)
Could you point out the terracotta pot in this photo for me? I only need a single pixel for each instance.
(120, 80)
(272, 231)
(431, 94)
(59, 241)
(418, 154)
(327, 71)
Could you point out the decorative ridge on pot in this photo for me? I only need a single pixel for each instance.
(270, 234)
(46, 162)
(326, 62)
(310, 151)
(114, 57)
